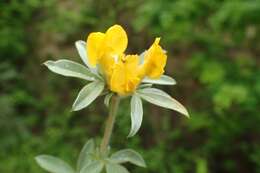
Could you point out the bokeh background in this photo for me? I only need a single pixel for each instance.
(213, 53)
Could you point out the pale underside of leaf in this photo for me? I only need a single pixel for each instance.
(87, 95)
(128, 155)
(136, 114)
(81, 47)
(70, 69)
(93, 167)
(115, 168)
(163, 80)
(85, 154)
(145, 85)
(53, 164)
(160, 98)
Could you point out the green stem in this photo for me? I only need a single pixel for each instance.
(113, 106)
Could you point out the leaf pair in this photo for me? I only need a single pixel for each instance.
(161, 98)
(72, 69)
(154, 96)
(128, 155)
(56, 165)
(113, 164)
(90, 161)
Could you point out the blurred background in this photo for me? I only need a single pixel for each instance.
(213, 53)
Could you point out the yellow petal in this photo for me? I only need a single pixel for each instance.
(133, 78)
(155, 60)
(157, 40)
(131, 62)
(107, 63)
(95, 47)
(124, 79)
(116, 39)
(118, 78)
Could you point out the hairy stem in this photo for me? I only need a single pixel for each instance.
(113, 106)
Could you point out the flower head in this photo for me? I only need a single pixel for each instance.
(109, 68)
(123, 73)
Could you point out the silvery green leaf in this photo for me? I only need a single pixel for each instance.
(53, 164)
(136, 114)
(71, 69)
(146, 85)
(128, 155)
(160, 98)
(107, 99)
(115, 168)
(94, 167)
(81, 47)
(87, 95)
(163, 80)
(85, 154)
(82, 50)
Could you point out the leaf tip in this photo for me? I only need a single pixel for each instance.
(129, 135)
(186, 113)
(48, 63)
(174, 82)
(74, 108)
(143, 165)
(38, 159)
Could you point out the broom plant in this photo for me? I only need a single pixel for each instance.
(108, 70)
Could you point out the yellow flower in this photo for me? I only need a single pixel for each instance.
(123, 73)
(154, 60)
(111, 43)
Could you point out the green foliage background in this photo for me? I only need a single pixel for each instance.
(213, 53)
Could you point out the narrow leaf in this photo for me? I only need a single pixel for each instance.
(87, 95)
(71, 69)
(85, 154)
(107, 99)
(146, 85)
(94, 167)
(81, 47)
(53, 164)
(136, 115)
(160, 98)
(115, 168)
(128, 155)
(163, 80)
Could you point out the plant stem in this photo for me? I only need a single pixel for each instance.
(113, 106)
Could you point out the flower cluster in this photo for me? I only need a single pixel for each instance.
(123, 72)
